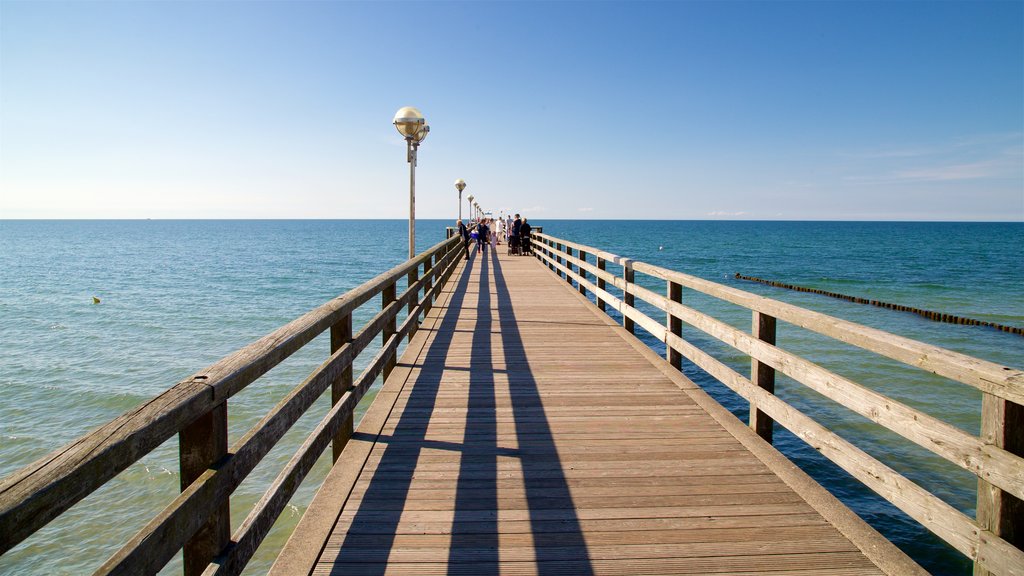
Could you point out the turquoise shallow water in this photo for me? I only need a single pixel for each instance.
(178, 295)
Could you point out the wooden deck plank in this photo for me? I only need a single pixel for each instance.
(818, 563)
(530, 436)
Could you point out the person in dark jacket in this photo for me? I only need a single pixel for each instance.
(524, 232)
(481, 238)
(517, 225)
(464, 232)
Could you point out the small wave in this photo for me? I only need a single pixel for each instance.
(58, 326)
(152, 472)
(851, 281)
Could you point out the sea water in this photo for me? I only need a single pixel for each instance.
(175, 296)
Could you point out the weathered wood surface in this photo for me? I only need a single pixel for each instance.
(1002, 468)
(986, 376)
(158, 541)
(524, 432)
(992, 541)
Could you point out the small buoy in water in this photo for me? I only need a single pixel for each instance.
(661, 247)
(95, 300)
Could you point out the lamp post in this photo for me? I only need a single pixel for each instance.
(413, 127)
(470, 199)
(460, 185)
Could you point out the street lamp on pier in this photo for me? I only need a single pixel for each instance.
(470, 199)
(460, 185)
(413, 127)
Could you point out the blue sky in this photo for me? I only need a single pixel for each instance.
(678, 110)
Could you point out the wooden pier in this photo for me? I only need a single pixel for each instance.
(525, 431)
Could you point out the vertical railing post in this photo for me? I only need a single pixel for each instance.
(341, 334)
(387, 296)
(583, 273)
(762, 375)
(568, 265)
(428, 287)
(674, 325)
(600, 283)
(627, 296)
(551, 253)
(414, 276)
(558, 257)
(1002, 425)
(200, 445)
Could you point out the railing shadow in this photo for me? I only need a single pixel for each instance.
(554, 530)
(558, 543)
(475, 523)
(370, 537)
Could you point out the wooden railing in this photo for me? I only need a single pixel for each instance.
(198, 520)
(993, 539)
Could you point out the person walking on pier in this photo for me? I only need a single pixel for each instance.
(494, 234)
(464, 233)
(481, 236)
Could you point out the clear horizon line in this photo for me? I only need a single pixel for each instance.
(240, 219)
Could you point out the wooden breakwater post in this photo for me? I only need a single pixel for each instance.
(929, 314)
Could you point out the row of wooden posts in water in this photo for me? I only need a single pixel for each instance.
(929, 314)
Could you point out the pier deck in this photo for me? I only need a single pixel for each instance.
(524, 432)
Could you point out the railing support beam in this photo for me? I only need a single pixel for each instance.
(387, 296)
(627, 296)
(414, 276)
(1002, 425)
(568, 264)
(762, 375)
(200, 445)
(600, 283)
(428, 266)
(558, 258)
(583, 273)
(675, 326)
(341, 334)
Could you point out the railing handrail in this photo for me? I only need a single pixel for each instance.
(998, 469)
(39, 492)
(989, 377)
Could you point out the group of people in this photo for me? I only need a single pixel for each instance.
(513, 231)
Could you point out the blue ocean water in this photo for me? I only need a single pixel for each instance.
(178, 295)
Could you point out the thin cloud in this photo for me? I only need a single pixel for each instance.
(883, 153)
(585, 209)
(971, 171)
(959, 145)
(724, 213)
(979, 157)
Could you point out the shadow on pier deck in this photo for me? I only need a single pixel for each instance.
(525, 432)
